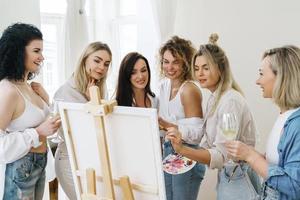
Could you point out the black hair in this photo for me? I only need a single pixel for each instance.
(124, 94)
(12, 50)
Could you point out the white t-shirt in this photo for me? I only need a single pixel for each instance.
(272, 155)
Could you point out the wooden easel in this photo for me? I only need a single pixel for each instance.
(100, 108)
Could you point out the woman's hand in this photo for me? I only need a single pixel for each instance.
(39, 90)
(175, 137)
(92, 82)
(165, 124)
(49, 126)
(239, 150)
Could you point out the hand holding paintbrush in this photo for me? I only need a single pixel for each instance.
(174, 136)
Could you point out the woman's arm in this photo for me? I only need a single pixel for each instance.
(13, 146)
(191, 99)
(8, 101)
(191, 126)
(199, 155)
(286, 178)
(229, 103)
(241, 151)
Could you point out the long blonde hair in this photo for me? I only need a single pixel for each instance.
(217, 58)
(81, 76)
(285, 64)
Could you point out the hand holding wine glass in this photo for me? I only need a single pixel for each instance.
(54, 112)
(49, 126)
(229, 127)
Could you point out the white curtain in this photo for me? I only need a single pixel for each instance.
(164, 12)
(76, 34)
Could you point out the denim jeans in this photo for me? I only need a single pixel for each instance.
(25, 178)
(269, 193)
(244, 183)
(183, 186)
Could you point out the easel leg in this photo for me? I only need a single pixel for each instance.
(126, 187)
(91, 181)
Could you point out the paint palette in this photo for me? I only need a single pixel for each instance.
(177, 164)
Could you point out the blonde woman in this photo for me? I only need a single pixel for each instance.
(180, 106)
(212, 70)
(91, 70)
(279, 167)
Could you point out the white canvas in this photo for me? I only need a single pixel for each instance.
(133, 143)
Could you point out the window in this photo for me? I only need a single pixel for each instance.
(125, 25)
(125, 40)
(127, 7)
(52, 19)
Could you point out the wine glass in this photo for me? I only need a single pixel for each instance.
(54, 111)
(229, 127)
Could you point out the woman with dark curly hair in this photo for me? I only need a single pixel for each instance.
(24, 125)
(134, 82)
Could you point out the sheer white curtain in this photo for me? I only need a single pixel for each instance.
(103, 21)
(164, 12)
(76, 34)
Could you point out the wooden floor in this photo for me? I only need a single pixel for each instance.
(53, 187)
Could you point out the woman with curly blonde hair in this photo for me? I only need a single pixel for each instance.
(180, 106)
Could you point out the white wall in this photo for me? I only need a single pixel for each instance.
(13, 11)
(246, 29)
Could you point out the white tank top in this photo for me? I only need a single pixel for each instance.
(30, 118)
(171, 110)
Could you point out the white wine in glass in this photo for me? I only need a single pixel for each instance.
(230, 134)
(54, 111)
(229, 127)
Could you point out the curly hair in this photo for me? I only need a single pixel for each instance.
(124, 94)
(181, 49)
(12, 50)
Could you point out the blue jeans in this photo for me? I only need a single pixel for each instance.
(25, 178)
(269, 193)
(244, 183)
(183, 186)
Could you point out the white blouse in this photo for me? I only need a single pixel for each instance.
(231, 102)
